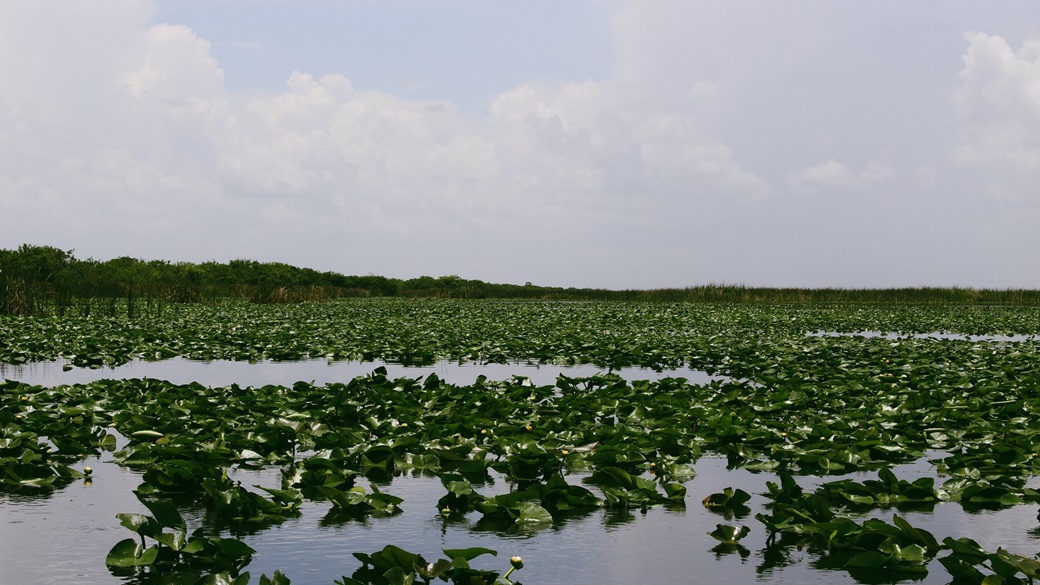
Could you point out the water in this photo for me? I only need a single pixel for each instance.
(932, 335)
(179, 370)
(63, 537)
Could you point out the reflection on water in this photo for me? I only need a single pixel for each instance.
(319, 371)
(931, 335)
(63, 538)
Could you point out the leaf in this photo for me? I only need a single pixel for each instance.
(468, 553)
(885, 475)
(434, 570)
(460, 488)
(138, 523)
(727, 534)
(728, 497)
(234, 549)
(1027, 566)
(398, 576)
(392, 556)
(615, 477)
(677, 491)
(130, 553)
(284, 497)
(960, 570)
(174, 540)
(966, 548)
(917, 535)
(914, 553)
(868, 560)
(532, 513)
(165, 513)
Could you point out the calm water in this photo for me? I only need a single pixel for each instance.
(932, 335)
(63, 538)
(224, 373)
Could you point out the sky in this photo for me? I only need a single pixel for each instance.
(623, 144)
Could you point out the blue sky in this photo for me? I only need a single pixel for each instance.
(601, 143)
(465, 52)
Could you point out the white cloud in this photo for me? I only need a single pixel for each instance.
(154, 131)
(998, 103)
(702, 90)
(836, 176)
(177, 67)
(111, 128)
(609, 142)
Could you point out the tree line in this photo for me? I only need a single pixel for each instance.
(40, 280)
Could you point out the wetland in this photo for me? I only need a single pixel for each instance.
(602, 441)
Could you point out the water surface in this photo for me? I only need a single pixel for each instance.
(180, 370)
(63, 537)
(1018, 338)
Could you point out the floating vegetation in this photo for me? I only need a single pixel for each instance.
(742, 340)
(783, 402)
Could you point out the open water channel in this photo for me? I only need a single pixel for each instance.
(63, 537)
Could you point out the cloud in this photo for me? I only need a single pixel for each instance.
(156, 105)
(702, 90)
(998, 104)
(591, 136)
(833, 176)
(703, 113)
(177, 67)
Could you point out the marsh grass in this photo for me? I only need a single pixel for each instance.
(739, 294)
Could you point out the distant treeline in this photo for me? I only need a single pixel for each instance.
(38, 280)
